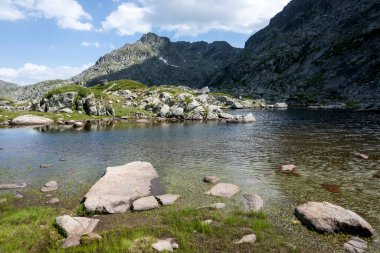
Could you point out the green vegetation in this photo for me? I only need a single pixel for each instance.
(82, 91)
(32, 230)
(120, 85)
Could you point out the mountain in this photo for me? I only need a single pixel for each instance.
(6, 85)
(155, 60)
(314, 51)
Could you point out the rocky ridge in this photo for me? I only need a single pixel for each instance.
(155, 60)
(317, 52)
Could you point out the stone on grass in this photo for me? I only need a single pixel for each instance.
(167, 199)
(251, 238)
(12, 186)
(254, 201)
(52, 201)
(223, 190)
(114, 192)
(355, 245)
(211, 179)
(215, 206)
(162, 245)
(44, 166)
(145, 203)
(89, 238)
(76, 225)
(50, 186)
(207, 222)
(71, 241)
(325, 217)
(31, 120)
(18, 196)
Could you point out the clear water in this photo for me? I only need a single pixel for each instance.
(320, 143)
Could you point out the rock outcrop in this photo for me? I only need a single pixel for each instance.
(325, 217)
(313, 52)
(119, 187)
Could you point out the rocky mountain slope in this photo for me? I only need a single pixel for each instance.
(155, 60)
(314, 51)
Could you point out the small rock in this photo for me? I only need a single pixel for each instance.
(175, 245)
(207, 222)
(255, 202)
(377, 175)
(50, 186)
(71, 241)
(65, 110)
(211, 179)
(281, 105)
(224, 115)
(249, 118)
(91, 237)
(145, 203)
(359, 155)
(44, 166)
(12, 186)
(162, 245)
(62, 159)
(18, 196)
(223, 190)
(76, 225)
(288, 168)
(167, 199)
(355, 245)
(215, 206)
(52, 201)
(251, 238)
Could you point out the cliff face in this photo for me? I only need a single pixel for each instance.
(312, 52)
(155, 60)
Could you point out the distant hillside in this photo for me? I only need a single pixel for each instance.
(312, 52)
(6, 85)
(155, 60)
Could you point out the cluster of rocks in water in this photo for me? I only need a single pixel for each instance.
(164, 102)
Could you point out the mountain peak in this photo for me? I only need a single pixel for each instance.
(152, 38)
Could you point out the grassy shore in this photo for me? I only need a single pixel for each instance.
(31, 229)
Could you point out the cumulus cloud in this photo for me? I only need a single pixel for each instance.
(68, 14)
(31, 73)
(184, 17)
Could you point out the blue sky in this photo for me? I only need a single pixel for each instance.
(57, 39)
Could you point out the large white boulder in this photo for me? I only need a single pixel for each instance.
(31, 120)
(120, 185)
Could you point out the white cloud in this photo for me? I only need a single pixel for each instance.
(90, 44)
(68, 14)
(9, 12)
(185, 17)
(31, 73)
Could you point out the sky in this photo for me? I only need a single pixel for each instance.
(57, 39)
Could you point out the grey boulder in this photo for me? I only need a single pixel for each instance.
(12, 186)
(254, 201)
(325, 217)
(31, 120)
(120, 185)
(76, 225)
(167, 199)
(50, 186)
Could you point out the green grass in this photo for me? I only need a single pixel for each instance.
(82, 91)
(122, 85)
(21, 231)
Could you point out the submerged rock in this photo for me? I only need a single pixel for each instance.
(12, 186)
(50, 186)
(223, 190)
(288, 168)
(31, 120)
(211, 179)
(359, 155)
(215, 206)
(120, 185)
(145, 203)
(325, 217)
(254, 201)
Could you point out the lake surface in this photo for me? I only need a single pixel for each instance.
(320, 143)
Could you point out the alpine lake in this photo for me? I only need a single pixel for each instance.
(320, 143)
